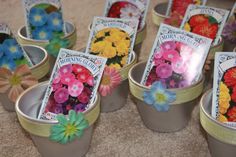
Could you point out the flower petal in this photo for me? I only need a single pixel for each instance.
(4, 85)
(62, 120)
(14, 92)
(22, 70)
(28, 81)
(83, 125)
(79, 133)
(5, 74)
(72, 116)
(147, 98)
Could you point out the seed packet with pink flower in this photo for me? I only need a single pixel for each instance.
(127, 9)
(224, 88)
(206, 21)
(176, 59)
(73, 84)
(12, 54)
(113, 39)
(44, 20)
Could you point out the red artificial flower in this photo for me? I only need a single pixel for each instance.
(198, 20)
(232, 114)
(230, 77)
(206, 29)
(181, 6)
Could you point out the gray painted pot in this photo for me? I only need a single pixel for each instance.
(27, 108)
(221, 138)
(179, 114)
(158, 13)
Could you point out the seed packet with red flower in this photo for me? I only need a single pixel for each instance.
(12, 54)
(73, 84)
(224, 88)
(113, 39)
(127, 9)
(176, 59)
(44, 20)
(205, 21)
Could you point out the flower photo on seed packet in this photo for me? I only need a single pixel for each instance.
(127, 9)
(224, 89)
(176, 59)
(44, 19)
(206, 21)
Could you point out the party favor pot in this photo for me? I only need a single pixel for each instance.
(158, 13)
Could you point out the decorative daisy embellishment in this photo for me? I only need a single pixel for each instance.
(159, 97)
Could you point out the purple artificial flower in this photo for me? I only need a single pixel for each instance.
(58, 109)
(229, 31)
(61, 95)
(79, 108)
(183, 84)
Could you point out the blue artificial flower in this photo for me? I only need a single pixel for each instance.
(42, 33)
(12, 49)
(55, 21)
(2, 50)
(159, 97)
(37, 17)
(7, 63)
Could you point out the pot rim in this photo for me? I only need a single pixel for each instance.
(46, 41)
(157, 13)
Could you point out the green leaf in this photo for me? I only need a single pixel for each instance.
(212, 20)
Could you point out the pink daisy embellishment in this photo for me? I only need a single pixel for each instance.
(168, 45)
(67, 78)
(110, 79)
(164, 70)
(171, 55)
(61, 95)
(75, 88)
(66, 69)
(179, 66)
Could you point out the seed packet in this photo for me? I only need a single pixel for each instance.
(44, 19)
(205, 21)
(11, 53)
(73, 84)
(127, 9)
(224, 88)
(114, 39)
(176, 59)
(181, 6)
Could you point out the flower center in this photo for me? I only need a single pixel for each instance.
(70, 130)
(206, 31)
(57, 46)
(15, 80)
(37, 18)
(106, 80)
(13, 49)
(160, 97)
(55, 22)
(42, 35)
(170, 56)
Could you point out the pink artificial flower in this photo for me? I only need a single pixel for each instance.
(56, 79)
(90, 81)
(56, 86)
(158, 54)
(77, 68)
(167, 46)
(171, 55)
(75, 88)
(179, 66)
(110, 79)
(61, 95)
(65, 69)
(67, 78)
(158, 61)
(83, 98)
(58, 109)
(164, 70)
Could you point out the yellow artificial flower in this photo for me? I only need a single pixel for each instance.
(223, 87)
(222, 118)
(122, 49)
(109, 51)
(100, 34)
(224, 98)
(115, 65)
(113, 38)
(97, 47)
(124, 60)
(187, 27)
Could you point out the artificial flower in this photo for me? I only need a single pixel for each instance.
(56, 86)
(68, 129)
(167, 46)
(185, 51)
(224, 98)
(179, 66)
(83, 98)
(159, 97)
(37, 17)
(84, 76)
(55, 45)
(111, 79)
(42, 33)
(65, 69)
(158, 54)
(152, 77)
(12, 49)
(175, 19)
(124, 60)
(181, 6)
(130, 11)
(229, 31)
(232, 114)
(90, 80)
(114, 10)
(57, 78)
(67, 78)
(198, 20)
(109, 51)
(78, 69)
(75, 88)
(171, 55)
(58, 109)
(97, 47)
(158, 61)
(230, 77)
(7, 63)
(14, 83)
(207, 30)
(55, 21)
(20, 61)
(183, 84)
(122, 48)
(164, 70)
(187, 27)
(79, 108)
(61, 95)
(222, 118)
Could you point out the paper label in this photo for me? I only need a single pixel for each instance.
(73, 83)
(176, 59)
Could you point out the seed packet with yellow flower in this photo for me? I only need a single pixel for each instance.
(44, 20)
(206, 21)
(176, 59)
(113, 39)
(224, 88)
(127, 9)
(12, 54)
(73, 84)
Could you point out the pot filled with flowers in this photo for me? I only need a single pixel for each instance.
(70, 134)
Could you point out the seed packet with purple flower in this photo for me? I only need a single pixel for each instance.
(176, 59)
(127, 9)
(73, 84)
(11, 53)
(224, 88)
(44, 20)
